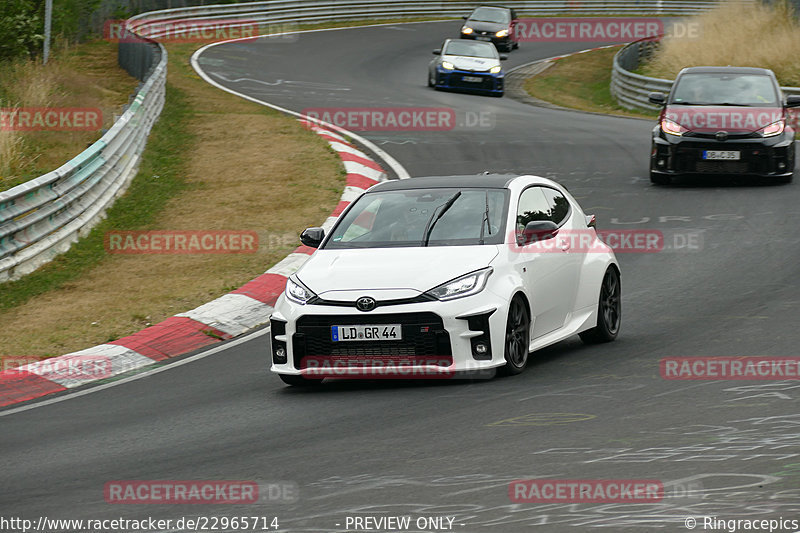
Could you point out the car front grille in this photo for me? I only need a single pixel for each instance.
(722, 167)
(754, 160)
(456, 79)
(423, 334)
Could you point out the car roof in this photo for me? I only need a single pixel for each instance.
(493, 7)
(491, 181)
(726, 70)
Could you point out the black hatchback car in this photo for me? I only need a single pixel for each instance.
(723, 121)
(492, 23)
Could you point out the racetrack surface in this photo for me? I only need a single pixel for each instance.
(451, 448)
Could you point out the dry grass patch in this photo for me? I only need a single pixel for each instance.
(86, 76)
(248, 168)
(741, 34)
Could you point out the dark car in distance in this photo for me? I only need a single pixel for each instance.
(493, 24)
(723, 121)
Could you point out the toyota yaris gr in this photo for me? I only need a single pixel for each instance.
(723, 121)
(437, 276)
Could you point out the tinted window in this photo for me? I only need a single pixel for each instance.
(738, 89)
(470, 49)
(488, 14)
(399, 218)
(541, 203)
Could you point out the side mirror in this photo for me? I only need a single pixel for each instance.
(657, 98)
(437, 52)
(312, 237)
(537, 230)
(503, 57)
(793, 100)
(465, 17)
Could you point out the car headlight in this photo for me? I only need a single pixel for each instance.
(495, 69)
(776, 128)
(297, 292)
(466, 285)
(448, 65)
(466, 30)
(672, 127)
(502, 33)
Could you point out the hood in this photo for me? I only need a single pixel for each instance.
(490, 27)
(731, 119)
(391, 272)
(475, 64)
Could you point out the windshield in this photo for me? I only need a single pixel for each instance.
(487, 14)
(400, 218)
(725, 89)
(470, 49)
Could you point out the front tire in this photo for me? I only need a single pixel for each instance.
(659, 179)
(518, 327)
(299, 381)
(609, 310)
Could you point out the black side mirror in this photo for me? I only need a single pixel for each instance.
(312, 237)
(657, 98)
(793, 100)
(503, 57)
(537, 230)
(437, 52)
(465, 17)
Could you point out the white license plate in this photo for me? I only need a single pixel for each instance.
(472, 79)
(482, 38)
(377, 332)
(729, 155)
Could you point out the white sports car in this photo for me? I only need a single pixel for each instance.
(438, 276)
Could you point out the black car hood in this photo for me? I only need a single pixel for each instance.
(730, 119)
(491, 27)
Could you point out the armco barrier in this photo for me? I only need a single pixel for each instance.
(631, 89)
(41, 218)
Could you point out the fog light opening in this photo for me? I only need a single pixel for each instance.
(481, 348)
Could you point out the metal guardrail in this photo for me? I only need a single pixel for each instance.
(157, 23)
(41, 218)
(631, 89)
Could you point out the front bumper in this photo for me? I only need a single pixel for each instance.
(482, 82)
(501, 43)
(439, 339)
(766, 157)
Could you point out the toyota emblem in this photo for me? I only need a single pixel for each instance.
(365, 303)
(722, 135)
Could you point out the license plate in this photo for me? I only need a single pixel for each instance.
(729, 155)
(472, 79)
(378, 332)
(481, 38)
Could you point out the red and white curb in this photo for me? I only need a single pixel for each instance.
(226, 317)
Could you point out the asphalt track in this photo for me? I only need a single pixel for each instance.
(451, 448)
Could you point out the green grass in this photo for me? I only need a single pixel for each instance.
(160, 178)
(582, 82)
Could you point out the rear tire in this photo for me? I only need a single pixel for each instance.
(299, 381)
(518, 327)
(609, 310)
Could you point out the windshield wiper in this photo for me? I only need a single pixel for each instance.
(426, 235)
(485, 219)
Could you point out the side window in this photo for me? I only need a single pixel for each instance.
(558, 205)
(533, 205)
